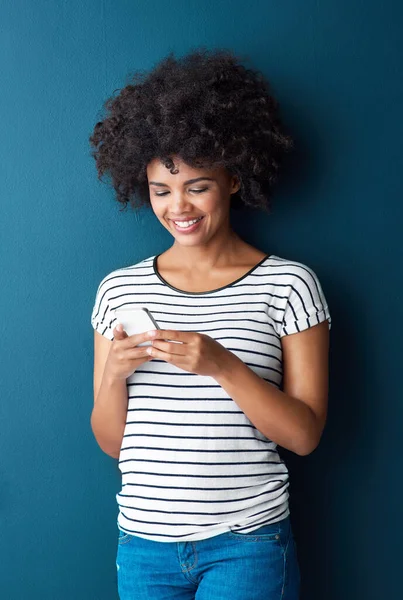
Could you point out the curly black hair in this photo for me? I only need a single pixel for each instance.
(206, 108)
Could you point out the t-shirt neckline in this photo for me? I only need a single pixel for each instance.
(208, 291)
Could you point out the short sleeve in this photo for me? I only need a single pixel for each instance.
(306, 303)
(102, 317)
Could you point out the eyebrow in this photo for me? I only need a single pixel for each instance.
(185, 182)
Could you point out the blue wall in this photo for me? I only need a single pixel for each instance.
(336, 68)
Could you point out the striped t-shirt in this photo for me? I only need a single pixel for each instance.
(193, 465)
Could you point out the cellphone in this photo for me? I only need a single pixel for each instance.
(136, 320)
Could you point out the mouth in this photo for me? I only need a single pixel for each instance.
(187, 226)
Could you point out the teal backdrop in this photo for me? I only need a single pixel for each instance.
(336, 69)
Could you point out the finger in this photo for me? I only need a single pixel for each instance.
(154, 352)
(170, 347)
(165, 356)
(119, 333)
(138, 338)
(136, 353)
(173, 334)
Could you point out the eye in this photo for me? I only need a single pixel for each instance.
(198, 191)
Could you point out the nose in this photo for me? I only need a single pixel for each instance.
(178, 203)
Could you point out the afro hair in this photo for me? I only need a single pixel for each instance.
(208, 109)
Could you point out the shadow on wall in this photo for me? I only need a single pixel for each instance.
(315, 490)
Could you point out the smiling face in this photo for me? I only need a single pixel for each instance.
(191, 194)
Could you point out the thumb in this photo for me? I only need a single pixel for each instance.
(119, 332)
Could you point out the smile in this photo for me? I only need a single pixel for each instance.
(187, 226)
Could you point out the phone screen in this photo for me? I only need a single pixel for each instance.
(136, 320)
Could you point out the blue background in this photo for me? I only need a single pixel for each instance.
(336, 69)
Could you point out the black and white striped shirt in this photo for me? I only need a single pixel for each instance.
(193, 465)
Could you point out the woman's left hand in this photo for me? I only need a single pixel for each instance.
(198, 353)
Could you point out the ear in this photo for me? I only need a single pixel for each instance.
(235, 184)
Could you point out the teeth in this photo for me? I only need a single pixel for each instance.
(185, 224)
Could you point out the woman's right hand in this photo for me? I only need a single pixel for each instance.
(124, 356)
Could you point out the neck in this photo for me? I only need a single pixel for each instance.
(204, 257)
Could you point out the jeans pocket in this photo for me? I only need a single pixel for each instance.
(277, 533)
(266, 533)
(124, 537)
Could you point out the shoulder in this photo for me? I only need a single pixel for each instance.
(293, 275)
(112, 285)
(291, 268)
(306, 304)
(113, 278)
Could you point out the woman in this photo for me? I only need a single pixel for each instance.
(203, 509)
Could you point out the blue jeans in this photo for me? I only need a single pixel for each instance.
(261, 565)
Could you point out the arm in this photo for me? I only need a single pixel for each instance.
(108, 416)
(295, 417)
(114, 362)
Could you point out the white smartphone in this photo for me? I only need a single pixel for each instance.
(136, 319)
